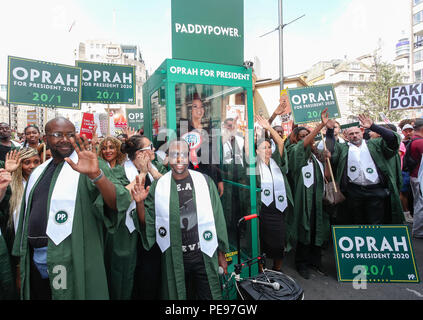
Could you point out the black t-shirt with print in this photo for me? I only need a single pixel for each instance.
(189, 222)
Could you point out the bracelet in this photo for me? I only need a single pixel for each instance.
(97, 178)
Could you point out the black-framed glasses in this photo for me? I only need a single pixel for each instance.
(60, 135)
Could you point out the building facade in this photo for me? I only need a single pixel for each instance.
(416, 42)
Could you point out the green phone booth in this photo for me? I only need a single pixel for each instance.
(226, 92)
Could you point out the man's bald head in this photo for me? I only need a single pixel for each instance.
(58, 121)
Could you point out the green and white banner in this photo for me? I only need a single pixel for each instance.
(209, 31)
(107, 83)
(307, 103)
(43, 84)
(376, 254)
(135, 118)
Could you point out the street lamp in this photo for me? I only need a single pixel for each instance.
(280, 29)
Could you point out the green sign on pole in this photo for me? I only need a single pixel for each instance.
(375, 254)
(135, 118)
(43, 84)
(209, 31)
(307, 103)
(107, 83)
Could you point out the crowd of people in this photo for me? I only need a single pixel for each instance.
(112, 218)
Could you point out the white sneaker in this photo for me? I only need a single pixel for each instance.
(408, 217)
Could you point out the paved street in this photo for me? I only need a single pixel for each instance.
(320, 287)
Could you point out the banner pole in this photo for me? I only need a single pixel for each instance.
(330, 166)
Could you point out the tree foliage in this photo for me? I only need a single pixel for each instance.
(374, 97)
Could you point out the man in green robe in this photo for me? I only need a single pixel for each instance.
(367, 174)
(176, 221)
(68, 202)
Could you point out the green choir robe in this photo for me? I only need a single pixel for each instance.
(76, 266)
(300, 227)
(173, 284)
(121, 248)
(387, 161)
(8, 288)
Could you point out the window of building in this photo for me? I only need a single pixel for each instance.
(418, 17)
(361, 77)
(416, 2)
(355, 66)
(418, 75)
(351, 77)
(418, 56)
(351, 90)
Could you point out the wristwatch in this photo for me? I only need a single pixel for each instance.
(97, 178)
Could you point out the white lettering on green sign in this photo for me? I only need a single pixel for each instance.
(206, 29)
(348, 244)
(22, 74)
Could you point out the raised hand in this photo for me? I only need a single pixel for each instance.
(87, 158)
(13, 161)
(129, 131)
(138, 192)
(263, 122)
(324, 116)
(5, 178)
(141, 162)
(283, 104)
(94, 139)
(366, 122)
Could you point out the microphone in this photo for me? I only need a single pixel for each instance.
(275, 285)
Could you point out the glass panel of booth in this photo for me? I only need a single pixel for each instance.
(158, 115)
(212, 119)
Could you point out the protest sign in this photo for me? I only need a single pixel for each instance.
(107, 83)
(135, 118)
(307, 103)
(406, 97)
(87, 125)
(43, 84)
(377, 254)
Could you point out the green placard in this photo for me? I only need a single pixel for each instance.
(209, 31)
(135, 118)
(107, 83)
(43, 84)
(307, 103)
(376, 254)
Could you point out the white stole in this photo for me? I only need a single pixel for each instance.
(272, 184)
(63, 199)
(228, 151)
(131, 173)
(360, 160)
(206, 226)
(308, 172)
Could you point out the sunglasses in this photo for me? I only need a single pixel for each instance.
(150, 147)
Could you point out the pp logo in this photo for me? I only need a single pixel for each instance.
(267, 192)
(308, 175)
(370, 170)
(208, 235)
(61, 217)
(162, 232)
(281, 198)
(353, 169)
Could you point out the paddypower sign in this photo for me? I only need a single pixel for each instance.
(374, 254)
(107, 83)
(307, 103)
(43, 84)
(208, 31)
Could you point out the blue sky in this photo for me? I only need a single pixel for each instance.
(330, 29)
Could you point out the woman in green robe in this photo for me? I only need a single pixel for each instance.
(310, 226)
(131, 270)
